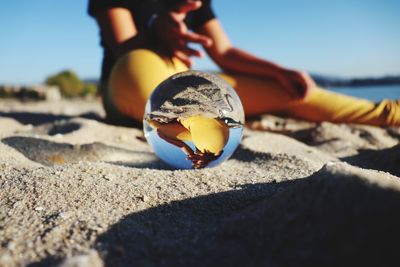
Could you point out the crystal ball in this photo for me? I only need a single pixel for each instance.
(193, 120)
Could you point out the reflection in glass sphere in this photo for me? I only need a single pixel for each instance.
(193, 120)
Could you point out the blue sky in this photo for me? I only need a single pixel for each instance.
(342, 37)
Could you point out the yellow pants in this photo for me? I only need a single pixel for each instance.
(207, 134)
(136, 75)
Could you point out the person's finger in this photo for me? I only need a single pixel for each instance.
(299, 84)
(188, 5)
(183, 57)
(189, 157)
(191, 52)
(300, 89)
(196, 158)
(309, 84)
(292, 92)
(310, 81)
(288, 86)
(198, 38)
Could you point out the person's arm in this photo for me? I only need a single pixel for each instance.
(168, 29)
(178, 143)
(232, 59)
(119, 30)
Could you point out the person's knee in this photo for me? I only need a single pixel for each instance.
(208, 134)
(134, 77)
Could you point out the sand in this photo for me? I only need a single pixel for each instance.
(76, 191)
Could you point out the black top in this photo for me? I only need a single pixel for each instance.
(141, 11)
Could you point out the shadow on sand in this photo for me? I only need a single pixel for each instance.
(51, 153)
(38, 118)
(326, 219)
(41, 118)
(387, 160)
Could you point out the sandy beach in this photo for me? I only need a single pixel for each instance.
(76, 191)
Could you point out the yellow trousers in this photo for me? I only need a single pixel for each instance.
(135, 76)
(207, 134)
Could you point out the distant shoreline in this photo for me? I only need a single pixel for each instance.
(356, 82)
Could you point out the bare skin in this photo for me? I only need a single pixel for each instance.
(233, 59)
(121, 35)
(119, 30)
(176, 39)
(199, 159)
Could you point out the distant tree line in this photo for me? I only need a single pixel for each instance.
(70, 85)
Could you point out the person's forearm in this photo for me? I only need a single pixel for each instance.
(238, 61)
(232, 59)
(178, 143)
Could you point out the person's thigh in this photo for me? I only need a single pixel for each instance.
(259, 95)
(209, 135)
(135, 76)
(267, 96)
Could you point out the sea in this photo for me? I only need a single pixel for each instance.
(374, 93)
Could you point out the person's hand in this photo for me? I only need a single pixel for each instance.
(297, 83)
(201, 159)
(173, 35)
(198, 160)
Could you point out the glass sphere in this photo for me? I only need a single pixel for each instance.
(193, 120)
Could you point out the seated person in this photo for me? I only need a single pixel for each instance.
(145, 42)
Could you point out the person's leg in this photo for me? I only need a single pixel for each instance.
(259, 96)
(209, 135)
(267, 96)
(172, 130)
(133, 79)
(324, 105)
(135, 76)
